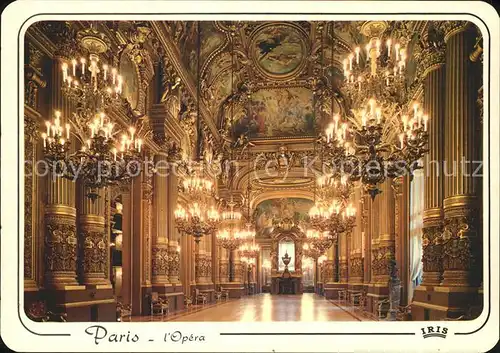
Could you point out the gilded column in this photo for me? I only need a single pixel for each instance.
(386, 243)
(223, 266)
(432, 66)
(462, 208)
(173, 243)
(94, 243)
(30, 204)
(356, 256)
(147, 208)
(237, 265)
(401, 228)
(342, 264)
(375, 206)
(366, 238)
(160, 270)
(60, 212)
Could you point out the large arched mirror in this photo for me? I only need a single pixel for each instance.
(286, 246)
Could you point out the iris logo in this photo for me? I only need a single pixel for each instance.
(434, 331)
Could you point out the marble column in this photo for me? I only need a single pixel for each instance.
(92, 237)
(160, 270)
(462, 201)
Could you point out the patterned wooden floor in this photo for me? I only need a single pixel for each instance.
(266, 307)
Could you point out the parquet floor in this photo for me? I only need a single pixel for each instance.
(307, 307)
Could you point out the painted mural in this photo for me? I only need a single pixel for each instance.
(278, 49)
(130, 81)
(279, 113)
(275, 209)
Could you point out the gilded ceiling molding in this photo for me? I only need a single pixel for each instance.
(36, 36)
(172, 52)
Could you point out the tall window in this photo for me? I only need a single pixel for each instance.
(416, 225)
(286, 246)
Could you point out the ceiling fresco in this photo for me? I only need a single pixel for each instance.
(278, 50)
(274, 210)
(279, 113)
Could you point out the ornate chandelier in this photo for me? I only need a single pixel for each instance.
(201, 218)
(88, 80)
(377, 139)
(230, 237)
(101, 161)
(342, 220)
(249, 250)
(94, 88)
(311, 252)
(319, 240)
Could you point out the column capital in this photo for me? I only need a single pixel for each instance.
(451, 28)
(431, 50)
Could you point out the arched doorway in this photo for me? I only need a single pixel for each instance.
(286, 241)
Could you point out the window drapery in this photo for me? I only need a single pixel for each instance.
(416, 225)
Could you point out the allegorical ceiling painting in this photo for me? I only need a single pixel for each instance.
(278, 50)
(280, 112)
(275, 210)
